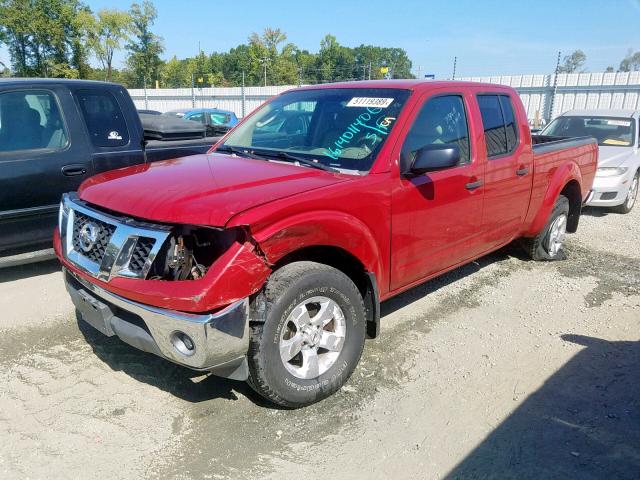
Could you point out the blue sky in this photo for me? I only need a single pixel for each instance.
(487, 36)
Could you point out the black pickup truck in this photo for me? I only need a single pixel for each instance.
(56, 133)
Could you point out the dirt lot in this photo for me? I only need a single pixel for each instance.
(504, 368)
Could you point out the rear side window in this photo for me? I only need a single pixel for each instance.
(104, 119)
(498, 120)
(31, 120)
(441, 120)
(509, 122)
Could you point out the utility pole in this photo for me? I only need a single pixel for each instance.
(455, 64)
(555, 86)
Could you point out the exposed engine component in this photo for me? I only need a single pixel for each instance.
(189, 252)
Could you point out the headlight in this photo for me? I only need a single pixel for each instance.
(611, 171)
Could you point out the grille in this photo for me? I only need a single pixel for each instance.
(105, 231)
(140, 254)
(608, 195)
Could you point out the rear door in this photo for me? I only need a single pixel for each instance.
(42, 155)
(436, 216)
(509, 170)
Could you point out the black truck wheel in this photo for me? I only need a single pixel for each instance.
(547, 245)
(312, 337)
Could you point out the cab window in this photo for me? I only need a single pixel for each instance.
(498, 120)
(30, 120)
(441, 120)
(103, 117)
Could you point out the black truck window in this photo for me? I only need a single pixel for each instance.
(104, 119)
(30, 120)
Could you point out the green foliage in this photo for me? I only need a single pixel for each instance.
(631, 62)
(573, 63)
(106, 32)
(145, 47)
(285, 63)
(45, 37)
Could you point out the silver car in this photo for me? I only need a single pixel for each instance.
(618, 176)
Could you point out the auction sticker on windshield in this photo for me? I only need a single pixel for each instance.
(370, 102)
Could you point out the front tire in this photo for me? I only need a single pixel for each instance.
(632, 195)
(547, 245)
(312, 337)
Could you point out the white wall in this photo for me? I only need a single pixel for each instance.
(578, 90)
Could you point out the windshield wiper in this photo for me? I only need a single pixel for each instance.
(239, 152)
(281, 154)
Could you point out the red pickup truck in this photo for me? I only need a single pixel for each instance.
(266, 260)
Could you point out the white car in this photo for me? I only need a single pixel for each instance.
(617, 132)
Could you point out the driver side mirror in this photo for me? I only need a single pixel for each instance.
(435, 157)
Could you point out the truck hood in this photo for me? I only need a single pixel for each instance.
(200, 189)
(614, 156)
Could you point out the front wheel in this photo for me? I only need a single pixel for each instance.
(312, 337)
(632, 195)
(547, 245)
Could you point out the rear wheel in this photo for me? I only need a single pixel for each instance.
(547, 245)
(632, 195)
(312, 337)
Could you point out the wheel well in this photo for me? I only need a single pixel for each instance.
(352, 267)
(573, 193)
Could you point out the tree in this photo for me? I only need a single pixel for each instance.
(609, 69)
(631, 62)
(45, 37)
(144, 51)
(573, 63)
(106, 32)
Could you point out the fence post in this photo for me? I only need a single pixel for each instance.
(193, 91)
(555, 89)
(244, 100)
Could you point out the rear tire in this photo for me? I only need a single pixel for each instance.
(312, 337)
(632, 195)
(547, 245)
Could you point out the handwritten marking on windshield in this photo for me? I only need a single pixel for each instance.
(380, 126)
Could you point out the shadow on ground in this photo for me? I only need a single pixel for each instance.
(9, 274)
(584, 422)
(596, 212)
(182, 382)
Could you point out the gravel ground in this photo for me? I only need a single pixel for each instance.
(504, 368)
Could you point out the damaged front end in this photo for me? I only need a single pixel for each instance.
(180, 292)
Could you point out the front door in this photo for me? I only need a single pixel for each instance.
(436, 216)
(39, 161)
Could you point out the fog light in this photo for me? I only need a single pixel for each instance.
(183, 343)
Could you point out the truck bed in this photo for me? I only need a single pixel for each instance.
(549, 143)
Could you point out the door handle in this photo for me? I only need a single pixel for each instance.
(73, 170)
(522, 171)
(473, 185)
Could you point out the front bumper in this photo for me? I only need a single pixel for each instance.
(609, 191)
(220, 340)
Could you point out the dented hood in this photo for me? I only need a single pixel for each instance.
(201, 189)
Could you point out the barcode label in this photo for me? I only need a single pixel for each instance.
(370, 102)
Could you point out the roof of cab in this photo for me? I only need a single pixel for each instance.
(408, 84)
(54, 81)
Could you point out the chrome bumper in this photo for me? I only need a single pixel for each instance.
(219, 340)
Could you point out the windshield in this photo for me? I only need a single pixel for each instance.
(340, 128)
(609, 131)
